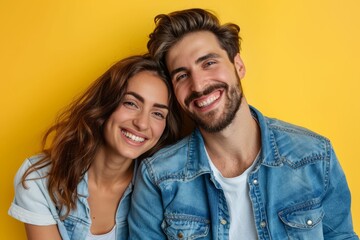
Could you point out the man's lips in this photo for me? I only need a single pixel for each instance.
(204, 102)
(199, 96)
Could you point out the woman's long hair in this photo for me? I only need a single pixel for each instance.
(78, 131)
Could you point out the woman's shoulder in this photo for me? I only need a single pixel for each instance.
(40, 171)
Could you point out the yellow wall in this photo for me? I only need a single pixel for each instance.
(302, 61)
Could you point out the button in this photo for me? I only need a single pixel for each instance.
(180, 235)
(309, 222)
(223, 221)
(262, 224)
(255, 181)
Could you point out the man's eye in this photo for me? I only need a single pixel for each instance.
(181, 76)
(209, 63)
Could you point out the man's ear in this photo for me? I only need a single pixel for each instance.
(239, 66)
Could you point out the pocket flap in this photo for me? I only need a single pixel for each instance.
(182, 226)
(305, 217)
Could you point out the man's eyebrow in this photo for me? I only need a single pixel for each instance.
(199, 60)
(207, 56)
(141, 99)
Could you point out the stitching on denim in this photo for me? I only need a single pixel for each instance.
(186, 217)
(298, 130)
(304, 161)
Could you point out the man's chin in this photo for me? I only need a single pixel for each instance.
(211, 126)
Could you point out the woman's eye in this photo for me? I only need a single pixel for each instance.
(130, 104)
(159, 115)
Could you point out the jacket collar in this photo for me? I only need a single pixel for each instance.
(198, 162)
(269, 151)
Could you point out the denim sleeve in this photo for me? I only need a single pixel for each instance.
(31, 204)
(337, 222)
(146, 211)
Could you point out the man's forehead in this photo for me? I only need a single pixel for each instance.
(190, 48)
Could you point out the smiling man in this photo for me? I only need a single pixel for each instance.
(239, 175)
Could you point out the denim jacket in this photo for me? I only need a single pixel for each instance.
(297, 189)
(33, 205)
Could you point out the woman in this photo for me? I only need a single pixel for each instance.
(80, 186)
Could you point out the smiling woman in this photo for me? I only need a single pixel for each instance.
(80, 186)
(140, 118)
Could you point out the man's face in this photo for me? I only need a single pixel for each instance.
(206, 82)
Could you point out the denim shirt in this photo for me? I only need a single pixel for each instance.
(34, 205)
(297, 189)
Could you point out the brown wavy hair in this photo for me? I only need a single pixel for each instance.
(78, 131)
(172, 27)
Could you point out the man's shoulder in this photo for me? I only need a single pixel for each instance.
(292, 129)
(289, 130)
(282, 131)
(296, 143)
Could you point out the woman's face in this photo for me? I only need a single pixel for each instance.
(140, 119)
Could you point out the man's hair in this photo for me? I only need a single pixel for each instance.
(172, 27)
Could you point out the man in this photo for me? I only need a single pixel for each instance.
(239, 175)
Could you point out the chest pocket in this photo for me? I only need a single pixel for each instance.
(185, 227)
(303, 222)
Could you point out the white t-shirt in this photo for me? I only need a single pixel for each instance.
(236, 190)
(107, 236)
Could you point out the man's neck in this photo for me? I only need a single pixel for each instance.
(235, 148)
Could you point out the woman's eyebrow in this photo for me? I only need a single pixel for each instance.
(141, 99)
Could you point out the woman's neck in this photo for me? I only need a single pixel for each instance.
(109, 170)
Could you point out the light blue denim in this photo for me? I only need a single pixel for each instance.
(77, 225)
(297, 189)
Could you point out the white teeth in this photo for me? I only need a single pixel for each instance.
(207, 102)
(133, 137)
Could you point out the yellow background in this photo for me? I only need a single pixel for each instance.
(302, 60)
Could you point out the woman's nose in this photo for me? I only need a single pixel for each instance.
(141, 121)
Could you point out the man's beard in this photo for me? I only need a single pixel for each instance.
(207, 122)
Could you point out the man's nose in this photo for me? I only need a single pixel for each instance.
(197, 82)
